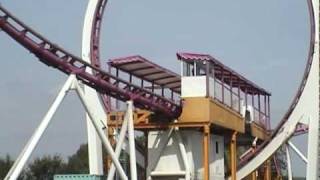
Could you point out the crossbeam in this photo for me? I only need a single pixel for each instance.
(71, 84)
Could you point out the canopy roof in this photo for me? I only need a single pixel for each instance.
(225, 74)
(149, 71)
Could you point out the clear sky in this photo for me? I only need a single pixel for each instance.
(266, 41)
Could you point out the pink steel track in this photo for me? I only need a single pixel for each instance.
(107, 84)
(302, 85)
(104, 82)
(95, 48)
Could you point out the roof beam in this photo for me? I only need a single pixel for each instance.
(165, 77)
(153, 73)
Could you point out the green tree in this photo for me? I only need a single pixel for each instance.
(5, 165)
(78, 162)
(45, 168)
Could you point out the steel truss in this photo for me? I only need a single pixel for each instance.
(303, 110)
(73, 84)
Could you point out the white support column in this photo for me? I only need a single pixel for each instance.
(22, 159)
(99, 126)
(299, 153)
(313, 136)
(184, 155)
(289, 163)
(132, 146)
(166, 174)
(307, 105)
(94, 143)
(120, 141)
(313, 147)
(164, 142)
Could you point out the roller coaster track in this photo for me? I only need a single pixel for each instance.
(95, 44)
(287, 126)
(104, 82)
(107, 84)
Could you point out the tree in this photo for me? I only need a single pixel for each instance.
(5, 165)
(45, 168)
(78, 162)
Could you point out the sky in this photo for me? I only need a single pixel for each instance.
(266, 41)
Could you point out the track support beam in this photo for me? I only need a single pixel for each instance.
(206, 155)
(24, 156)
(254, 148)
(97, 123)
(120, 141)
(184, 155)
(289, 163)
(71, 84)
(233, 155)
(133, 162)
(164, 142)
(94, 143)
(298, 152)
(267, 173)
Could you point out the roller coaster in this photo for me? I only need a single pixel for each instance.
(162, 103)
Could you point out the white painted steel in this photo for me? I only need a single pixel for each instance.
(313, 150)
(97, 123)
(289, 163)
(299, 153)
(139, 156)
(184, 155)
(166, 174)
(13, 167)
(94, 143)
(122, 144)
(311, 105)
(308, 105)
(33, 142)
(120, 141)
(287, 131)
(132, 146)
(154, 159)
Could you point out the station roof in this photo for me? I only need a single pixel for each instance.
(149, 71)
(228, 74)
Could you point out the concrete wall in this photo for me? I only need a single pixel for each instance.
(171, 160)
